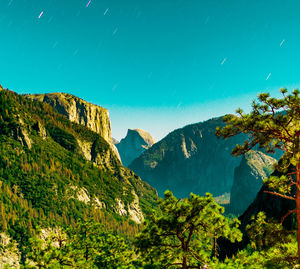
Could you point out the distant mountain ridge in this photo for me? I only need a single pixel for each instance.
(191, 159)
(134, 144)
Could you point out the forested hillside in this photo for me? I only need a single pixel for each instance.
(46, 181)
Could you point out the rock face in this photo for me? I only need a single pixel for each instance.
(134, 144)
(21, 133)
(190, 159)
(248, 179)
(133, 209)
(77, 110)
(94, 117)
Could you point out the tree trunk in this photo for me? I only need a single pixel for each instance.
(298, 208)
(184, 263)
(215, 246)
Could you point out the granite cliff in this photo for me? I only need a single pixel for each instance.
(190, 159)
(77, 110)
(94, 117)
(134, 144)
(248, 179)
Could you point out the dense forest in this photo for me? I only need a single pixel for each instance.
(59, 210)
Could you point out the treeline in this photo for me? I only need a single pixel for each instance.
(183, 234)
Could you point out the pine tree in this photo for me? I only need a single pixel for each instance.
(272, 124)
(184, 234)
(94, 247)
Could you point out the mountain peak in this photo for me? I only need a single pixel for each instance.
(134, 144)
(144, 135)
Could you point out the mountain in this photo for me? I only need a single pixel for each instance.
(248, 179)
(134, 144)
(54, 171)
(94, 117)
(190, 159)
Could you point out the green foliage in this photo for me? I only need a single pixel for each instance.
(39, 186)
(264, 234)
(280, 184)
(62, 137)
(271, 246)
(185, 233)
(87, 245)
(272, 124)
(283, 256)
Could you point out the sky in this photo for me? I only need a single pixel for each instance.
(155, 64)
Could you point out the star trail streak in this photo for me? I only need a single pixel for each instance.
(41, 14)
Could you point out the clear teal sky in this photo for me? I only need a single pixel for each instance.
(155, 64)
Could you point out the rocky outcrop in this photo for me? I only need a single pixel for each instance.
(77, 110)
(82, 195)
(94, 117)
(134, 144)
(248, 179)
(120, 208)
(21, 133)
(133, 210)
(86, 148)
(40, 129)
(9, 253)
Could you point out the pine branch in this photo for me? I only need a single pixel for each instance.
(287, 214)
(281, 195)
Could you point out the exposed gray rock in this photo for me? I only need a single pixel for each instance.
(86, 148)
(133, 210)
(248, 179)
(116, 152)
(21, 133)
(77, 110)
(40, 130)
(134, 144)
(115, 141)
(9, 253)
(191, 159)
